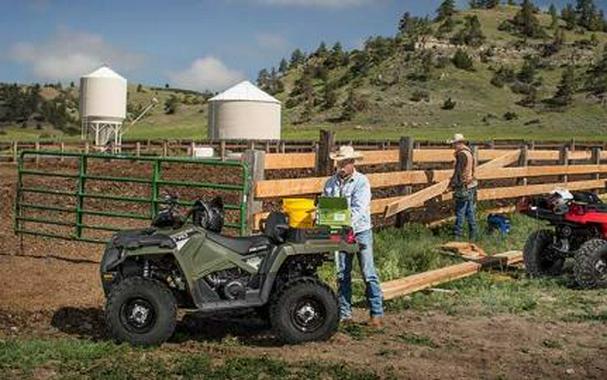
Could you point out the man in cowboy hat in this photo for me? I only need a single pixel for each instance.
(355, 187)
(464, 185)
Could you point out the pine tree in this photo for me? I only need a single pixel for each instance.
(568, 15)
(445, 27)
(554, 16)
(139, 87)
(348, 108)
(462, 60)
(322, 50)
(596, 81)
(490, 4)
(263, 79)
(445, 10)
(471, 34)
(475, 4)
(284, 66)
(329, 95)
(566, 88)
(585, 11)
(528, 71)
(297, 58)
(526, 22)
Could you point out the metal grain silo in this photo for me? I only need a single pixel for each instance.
(244, 112)
(103, 105)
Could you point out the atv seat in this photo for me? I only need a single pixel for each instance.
(243, 245)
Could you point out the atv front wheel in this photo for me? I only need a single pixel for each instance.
(590, 268)
(141, 311)
(304, 310)
(539, 257)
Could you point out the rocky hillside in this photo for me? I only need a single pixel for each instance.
(505, 71)
(493, 71)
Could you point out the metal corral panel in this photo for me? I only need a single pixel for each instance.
(244, 120)
(103, 95)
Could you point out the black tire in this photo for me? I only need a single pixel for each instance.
(141, 311)
(590, 268)
(539, 258)
(304, 310)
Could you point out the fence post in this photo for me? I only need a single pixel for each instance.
(222, 150)
(165, 148)
(564, 160)
(255, 160)
(193, 148)
(62, 150)
(406, 148)
(572, 145)
(87, 147)
(137, 149)
(15, 151)
(283, 147)
(474, 149)
(523, 162)
(596, 159)
(324, 165)
(37, 148)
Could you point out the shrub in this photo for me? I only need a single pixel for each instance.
(449, 104)
(419, 95)
(510, 116)
(462, 60)
(290, 103)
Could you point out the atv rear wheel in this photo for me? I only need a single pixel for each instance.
(590, 268)
(304, 310)
(141, 311)
(539, 257)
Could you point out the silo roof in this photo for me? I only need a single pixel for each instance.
(104, 72)
(245, 91)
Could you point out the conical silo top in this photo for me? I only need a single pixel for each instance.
(104, 72)
(244, 91)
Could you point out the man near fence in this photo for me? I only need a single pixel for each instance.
(464, 185)
(355, 187)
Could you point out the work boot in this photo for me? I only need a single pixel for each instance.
(376, 322)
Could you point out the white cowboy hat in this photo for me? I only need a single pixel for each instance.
(346, 152)
(458, 137)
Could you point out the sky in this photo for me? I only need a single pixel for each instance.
(193, 44)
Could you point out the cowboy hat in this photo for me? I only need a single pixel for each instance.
(458, 137)
(345, 152)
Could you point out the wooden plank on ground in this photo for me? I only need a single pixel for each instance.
(411, 284)
(439, 188)
(314, 185)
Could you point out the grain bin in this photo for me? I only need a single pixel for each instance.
(103, 105)
(244, 112)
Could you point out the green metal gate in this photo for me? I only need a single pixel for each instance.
(77, 198)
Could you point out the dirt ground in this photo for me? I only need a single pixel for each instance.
(52, 290)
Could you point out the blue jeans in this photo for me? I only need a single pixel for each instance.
(344, 278)
(465, 210)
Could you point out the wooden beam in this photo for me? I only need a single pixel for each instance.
(529, 171)
(439, 188)
(276, 161)
(314, 185)
(520, 191)
(411, 284)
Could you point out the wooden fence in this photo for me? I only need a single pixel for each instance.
(404, 174)
(308, 148)
(503, 173)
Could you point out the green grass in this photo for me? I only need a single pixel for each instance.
(83, 359)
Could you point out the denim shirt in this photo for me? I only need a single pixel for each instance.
(357, 190)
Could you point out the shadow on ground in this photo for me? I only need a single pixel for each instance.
(246, 328)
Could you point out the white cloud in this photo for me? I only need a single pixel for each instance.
(271, 41)
(206, 73)
(316, 3)
(68, 54)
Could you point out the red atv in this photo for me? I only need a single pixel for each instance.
(580, 231)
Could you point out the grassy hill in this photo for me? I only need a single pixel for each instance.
(381, 84)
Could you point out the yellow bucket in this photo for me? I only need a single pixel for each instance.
(300, 212)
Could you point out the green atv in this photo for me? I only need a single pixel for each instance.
(184, 262)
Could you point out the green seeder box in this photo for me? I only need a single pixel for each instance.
(333, 212)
